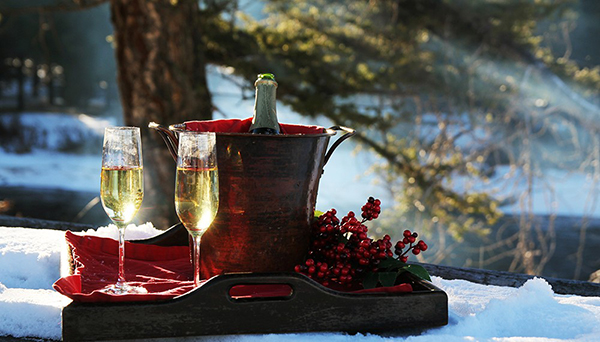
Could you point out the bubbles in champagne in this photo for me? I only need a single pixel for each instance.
(197, 198)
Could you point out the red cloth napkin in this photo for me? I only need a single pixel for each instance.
(163, 271)
(243, 125)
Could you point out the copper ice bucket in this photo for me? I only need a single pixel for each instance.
(268, 188)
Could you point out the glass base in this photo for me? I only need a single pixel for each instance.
(124, 288)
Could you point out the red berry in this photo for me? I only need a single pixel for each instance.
(403, 259)
(407, 233)
(416, 251)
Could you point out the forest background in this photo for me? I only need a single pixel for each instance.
(473, 112)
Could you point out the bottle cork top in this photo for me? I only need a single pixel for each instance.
(265, 79)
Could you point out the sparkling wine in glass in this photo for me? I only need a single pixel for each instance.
(122, 189)
(197, 188)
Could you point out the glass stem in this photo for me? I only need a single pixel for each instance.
(196, 260)
(121, 277)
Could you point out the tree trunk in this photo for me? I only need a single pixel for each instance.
(162, 78)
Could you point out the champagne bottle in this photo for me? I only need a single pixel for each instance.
(264, 120)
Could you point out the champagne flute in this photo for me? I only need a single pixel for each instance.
(197, 188)
(122, 189)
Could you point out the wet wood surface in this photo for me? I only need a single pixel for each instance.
(500, 278)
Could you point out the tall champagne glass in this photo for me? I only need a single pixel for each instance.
(122, 189)
(197, 188)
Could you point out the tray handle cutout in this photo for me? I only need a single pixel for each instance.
(259, 292)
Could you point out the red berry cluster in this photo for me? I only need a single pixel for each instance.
(341, 252)
(371, 209)
(409, 240)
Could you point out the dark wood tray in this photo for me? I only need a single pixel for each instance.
(210, 310)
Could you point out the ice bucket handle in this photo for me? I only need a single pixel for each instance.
(168, 136)
(348, 132)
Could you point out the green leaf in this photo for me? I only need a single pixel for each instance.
(391, 264)
(419, 271)
(318, 213)
(387, 278)
(370, 280)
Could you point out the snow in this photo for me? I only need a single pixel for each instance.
(51, 169)
(344, 185)
(560, 192)
(46, 167)
(32, 259)
(56, 131)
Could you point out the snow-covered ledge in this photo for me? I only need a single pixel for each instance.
(30, 261)
(499, 278)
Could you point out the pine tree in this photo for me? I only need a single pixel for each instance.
(443, 91)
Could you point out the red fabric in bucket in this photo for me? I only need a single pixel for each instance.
(163, 271)
(243, 125)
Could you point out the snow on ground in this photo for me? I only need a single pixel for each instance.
(568, 193)
(30, 261)
(51, 169)
(343, 185)
(52, 131)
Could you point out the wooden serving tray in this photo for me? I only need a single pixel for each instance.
(210, 310)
